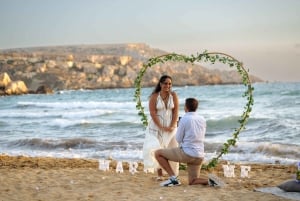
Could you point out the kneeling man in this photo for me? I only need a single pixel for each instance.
(190, 137)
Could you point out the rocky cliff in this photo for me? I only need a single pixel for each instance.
(101, 66)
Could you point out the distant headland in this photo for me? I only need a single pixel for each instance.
(55, 68)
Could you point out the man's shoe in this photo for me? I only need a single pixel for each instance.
(215, 181)
(172, 181)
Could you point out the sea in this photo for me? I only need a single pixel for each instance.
(104, 123)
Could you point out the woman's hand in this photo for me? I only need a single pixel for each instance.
(168, 129)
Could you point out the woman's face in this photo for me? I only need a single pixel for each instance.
(166, 85)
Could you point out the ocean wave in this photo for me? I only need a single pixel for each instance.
(64, 114)
(72, 143)
(53, 125)
(263, 152)
(39, 143)
(263, 148)
(79, 104)
(98, 123)
(3, 123)
(28, 114)
(229, 123)
(280, 150)
(290, 93)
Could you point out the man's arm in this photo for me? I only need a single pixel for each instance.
(180, 132)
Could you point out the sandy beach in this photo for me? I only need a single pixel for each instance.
(26, 178)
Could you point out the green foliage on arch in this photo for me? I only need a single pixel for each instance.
(209, 57)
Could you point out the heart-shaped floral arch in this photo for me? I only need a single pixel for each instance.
(210, 57)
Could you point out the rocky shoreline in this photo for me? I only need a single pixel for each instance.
(48, 69)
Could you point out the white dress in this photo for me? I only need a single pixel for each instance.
(156, 138)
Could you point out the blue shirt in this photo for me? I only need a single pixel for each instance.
(191, 134)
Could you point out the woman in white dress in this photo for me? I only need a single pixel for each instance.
(161, 130)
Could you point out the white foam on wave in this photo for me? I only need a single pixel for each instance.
(63, 123)
(131, 154)
(121, 155)
(81, 104)
(262, 152)
(78, 114)
(27, 114)
(257, 158)
(274, 119)
(136, 155)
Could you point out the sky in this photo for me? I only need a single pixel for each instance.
(263, 34)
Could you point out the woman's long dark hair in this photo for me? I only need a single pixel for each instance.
(161, 80)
